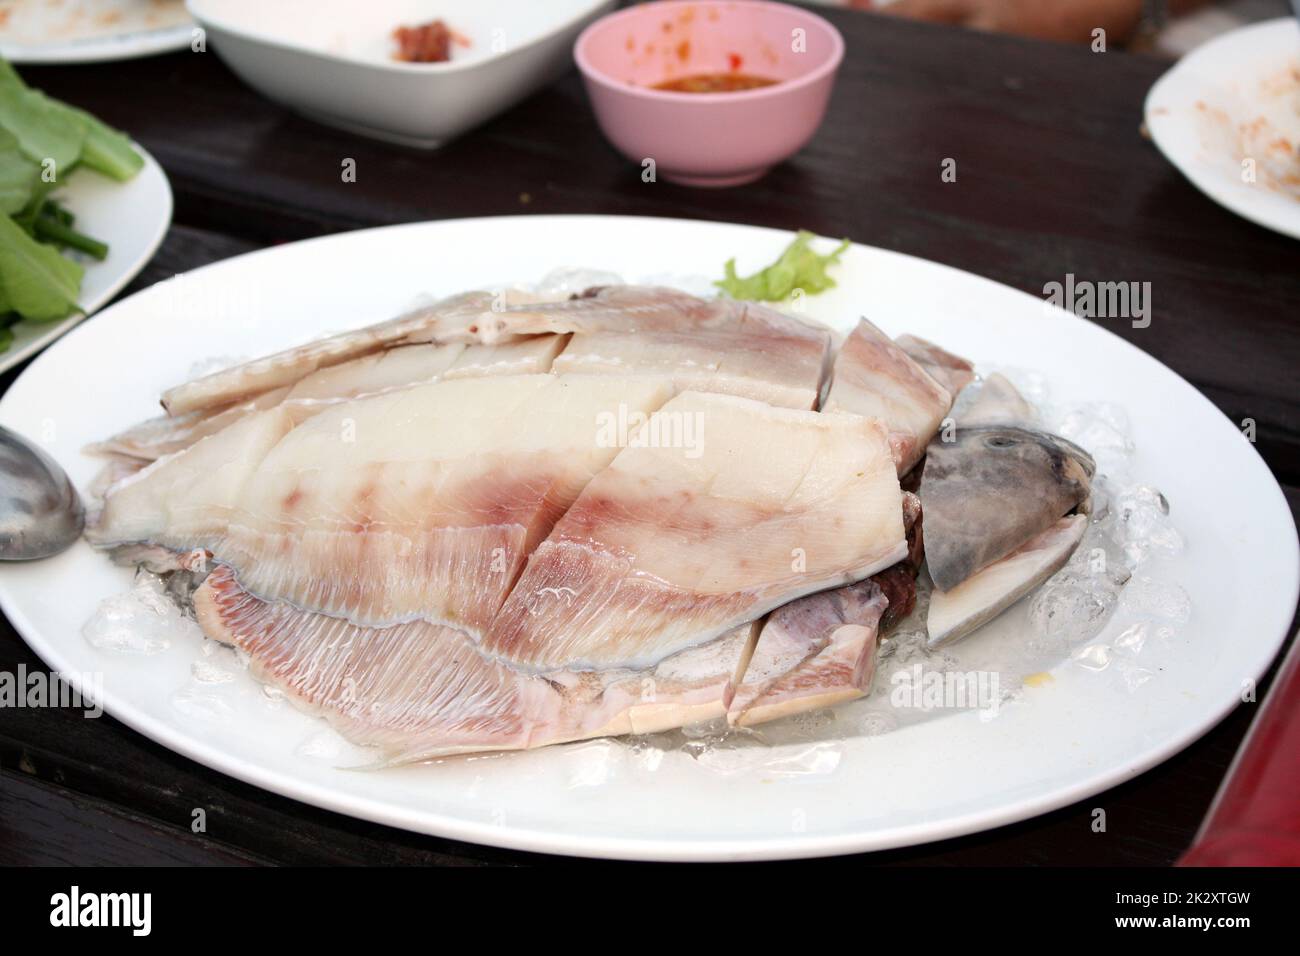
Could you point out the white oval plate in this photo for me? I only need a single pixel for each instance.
(92, 31)
(1059, 742)
(1195, 111)
(132, 217)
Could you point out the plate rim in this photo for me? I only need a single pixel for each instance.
(532, 839)
(1206, 181)
(110, 48)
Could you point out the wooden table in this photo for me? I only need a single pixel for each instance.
(1054, 177)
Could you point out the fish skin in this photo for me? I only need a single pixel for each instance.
(782, 368)
(249, 379)
(662, 551)
(875, 378)
(991, 489)
(951, 371)
(627, 308)
(164, 435)
(986, 594)
(417, 691)
(822, 648)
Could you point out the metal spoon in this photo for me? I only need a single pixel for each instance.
(40, 511)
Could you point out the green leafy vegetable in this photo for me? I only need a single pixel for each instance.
(107, 151)
(48, 132)
(18, 175)
(42, 141)
(798, 267)
(39, 283)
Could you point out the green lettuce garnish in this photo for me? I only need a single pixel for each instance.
(798, 267)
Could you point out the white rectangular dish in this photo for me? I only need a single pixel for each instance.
(332, 60)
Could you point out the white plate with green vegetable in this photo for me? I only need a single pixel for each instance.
(82, 209)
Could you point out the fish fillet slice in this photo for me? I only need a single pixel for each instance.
(244, 381)
(166, 435)
(720, 510)
(418, 690)
(375, 374)
(528, 355)
(821, 649)
(396, 367)
(186, 500)
(951, 371)
(763, 361)
(876, 378)
(627, 308)
(814, 652)
(418, 503)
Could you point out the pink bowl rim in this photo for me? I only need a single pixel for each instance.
(818, 73)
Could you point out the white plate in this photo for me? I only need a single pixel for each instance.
(1196, 112)
(132, 217)
(333, 59)
(92, 31)
(1070, 738)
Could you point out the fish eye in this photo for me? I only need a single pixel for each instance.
(1000, 441)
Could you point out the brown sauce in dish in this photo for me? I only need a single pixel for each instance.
(714, 83)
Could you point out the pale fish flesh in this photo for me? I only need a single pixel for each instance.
(671, 546)
(984, 595)
(951, 371)
(762, 355)
(876, 378)
(821, 649)
(418, 503)
(242, 382)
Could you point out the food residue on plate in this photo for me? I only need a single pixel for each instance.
(715, 83)
(427, 42)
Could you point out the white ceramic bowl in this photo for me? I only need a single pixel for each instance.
(332, 60)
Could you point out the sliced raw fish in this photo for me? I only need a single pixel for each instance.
(987, 593)
(822, 648)
(991, 489)
(422, 502)
(628, 308)
(780, 366)
(526, 355)
(418, 690)
(951, 371)
(720, 509)
(241, 382)
(166, 435)
(998, 402)
(814, 652)
(186, 500)
(876, 378)
(393, 368)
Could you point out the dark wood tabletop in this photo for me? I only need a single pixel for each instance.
(1054, 177)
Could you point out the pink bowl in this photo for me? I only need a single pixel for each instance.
(709, 139)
